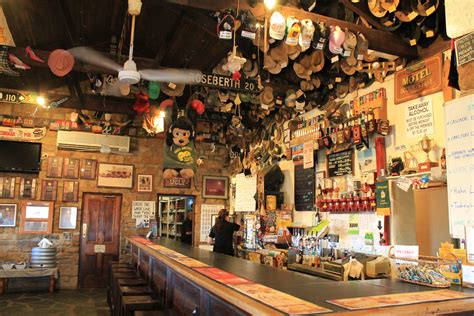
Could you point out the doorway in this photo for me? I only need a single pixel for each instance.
(100, 237)
(176, 217)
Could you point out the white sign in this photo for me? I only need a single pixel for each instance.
(468, 275)
(245, 190)
(143, 209)
(308, 155)
(459, 115)
(207, 212)
(470, 243)
(419, 119)
(24, 134)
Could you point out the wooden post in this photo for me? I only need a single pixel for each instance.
(381, 162)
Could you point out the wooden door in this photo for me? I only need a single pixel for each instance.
(100, 237)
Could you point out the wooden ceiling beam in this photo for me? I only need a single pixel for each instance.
(362, 10)
(383, 41)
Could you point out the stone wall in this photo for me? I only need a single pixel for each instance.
(147, 159)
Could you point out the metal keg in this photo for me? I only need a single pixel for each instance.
(43, 257)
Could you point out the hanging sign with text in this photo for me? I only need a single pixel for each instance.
(465, 49)
(419, 119)
(340, 163)
(143, 209)
(177, 183)
(23, 134)
(227, 83)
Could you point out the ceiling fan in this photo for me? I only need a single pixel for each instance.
(128, 74)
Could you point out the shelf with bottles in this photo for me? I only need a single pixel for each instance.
(353, 127)
(347, 195)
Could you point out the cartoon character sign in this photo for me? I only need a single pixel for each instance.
(179, 151)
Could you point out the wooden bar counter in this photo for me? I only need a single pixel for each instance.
(185, 291)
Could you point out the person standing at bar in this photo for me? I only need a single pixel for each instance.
(222, 233)
(187, 229)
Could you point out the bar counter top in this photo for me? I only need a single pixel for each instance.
(307, 287)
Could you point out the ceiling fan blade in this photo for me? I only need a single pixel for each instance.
(171, 75)
(93, 57)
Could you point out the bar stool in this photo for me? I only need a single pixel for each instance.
(132, 304)
(148, 313)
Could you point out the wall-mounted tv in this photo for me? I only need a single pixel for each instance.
(20, 157)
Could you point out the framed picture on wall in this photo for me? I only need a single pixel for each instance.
(68, 217)
(7, 187)
(28, 188)
(215, 187)
(49, 189)
(71, 168)
(36, 217)
(320, 175)
(88, 169)
(7, 215)
(115, 176)
(71, 191)
(144, 183)
(54, 168)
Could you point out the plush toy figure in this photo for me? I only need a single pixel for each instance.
(179, 151)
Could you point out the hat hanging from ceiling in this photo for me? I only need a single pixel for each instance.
(317, 61)
(249, 25)
(172, 89)
(198, 106)
(353, 83)
(406, 11)
(361, 47)
(346, 68)
(302, 71)
(321, 35)
(290, 99)
(426, 7)
(277, 26)
(391, 22)
(60, 62)
(153, 90)
(308, 5)
(225, 27)
(336, 38)
(429, 30)
(410, 33)
(342, 89)
(250, 68)
(267, 99)
(306, 35)
(294, 30)
(389, 5)
(294, 52)
(300, 100)
(349, 45)
(376, 8)
(260, 42)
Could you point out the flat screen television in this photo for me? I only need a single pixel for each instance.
(20, 157)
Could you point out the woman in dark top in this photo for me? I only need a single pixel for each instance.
(222, 232)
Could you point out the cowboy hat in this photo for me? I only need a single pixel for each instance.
(294, 52)
(350, 43)
(317, 61)
(389, 5)
(60, 62)
(301, 71)
(172, 89)
(407, 11)
(376, 8)
(266, 97)
(342, 89)
(346, 68)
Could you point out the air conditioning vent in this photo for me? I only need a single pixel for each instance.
(82, 141)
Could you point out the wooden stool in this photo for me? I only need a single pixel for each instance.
(148, 313)
(131, 282)
(135, 290)
(131, 304)
(112, 287)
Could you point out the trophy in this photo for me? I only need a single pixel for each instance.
(426, 145)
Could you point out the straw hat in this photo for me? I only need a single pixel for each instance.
(347, 69)
(266, 96)
(294, 51)
(317, 61)
(376, 8)
(301, 71)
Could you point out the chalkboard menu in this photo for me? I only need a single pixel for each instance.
(465, 49)
(341, 163)
(304, 188)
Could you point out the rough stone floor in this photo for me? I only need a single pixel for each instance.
(87, 302)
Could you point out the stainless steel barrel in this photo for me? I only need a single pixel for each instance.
(43, 257)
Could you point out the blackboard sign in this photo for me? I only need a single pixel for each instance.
(465, 49)
(304, 188)
(341, 163)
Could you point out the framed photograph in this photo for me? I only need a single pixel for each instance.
(320, 176)
(55, 167)
(215, 187)
(7, 187)
(88, 169)
(115, 176)
(71, 191)
(49, 190)
(144, 183)
(68, 217)
(36, 217)
(28, 188)
(71, 168)
(7, 215)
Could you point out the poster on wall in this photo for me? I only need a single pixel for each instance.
(115, 176)
(459, 115)
(22, 134)
(27, 188)
(207, 211)
(142, 212)
(419, 119)
(308, 154)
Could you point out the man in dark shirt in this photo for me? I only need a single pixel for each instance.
(187, 229)
(222, 232)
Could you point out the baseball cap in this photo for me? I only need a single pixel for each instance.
(225, 27)
(321, 34)
(277, 26)
(306, 34)
(294, 30)
(336, 38)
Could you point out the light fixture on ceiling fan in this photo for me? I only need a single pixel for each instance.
(128, 74)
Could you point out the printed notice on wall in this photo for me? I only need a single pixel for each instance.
(245, 190)
(308, 155)
(419, 119)
(459, 116)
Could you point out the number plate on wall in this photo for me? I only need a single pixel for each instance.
(99, 248)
